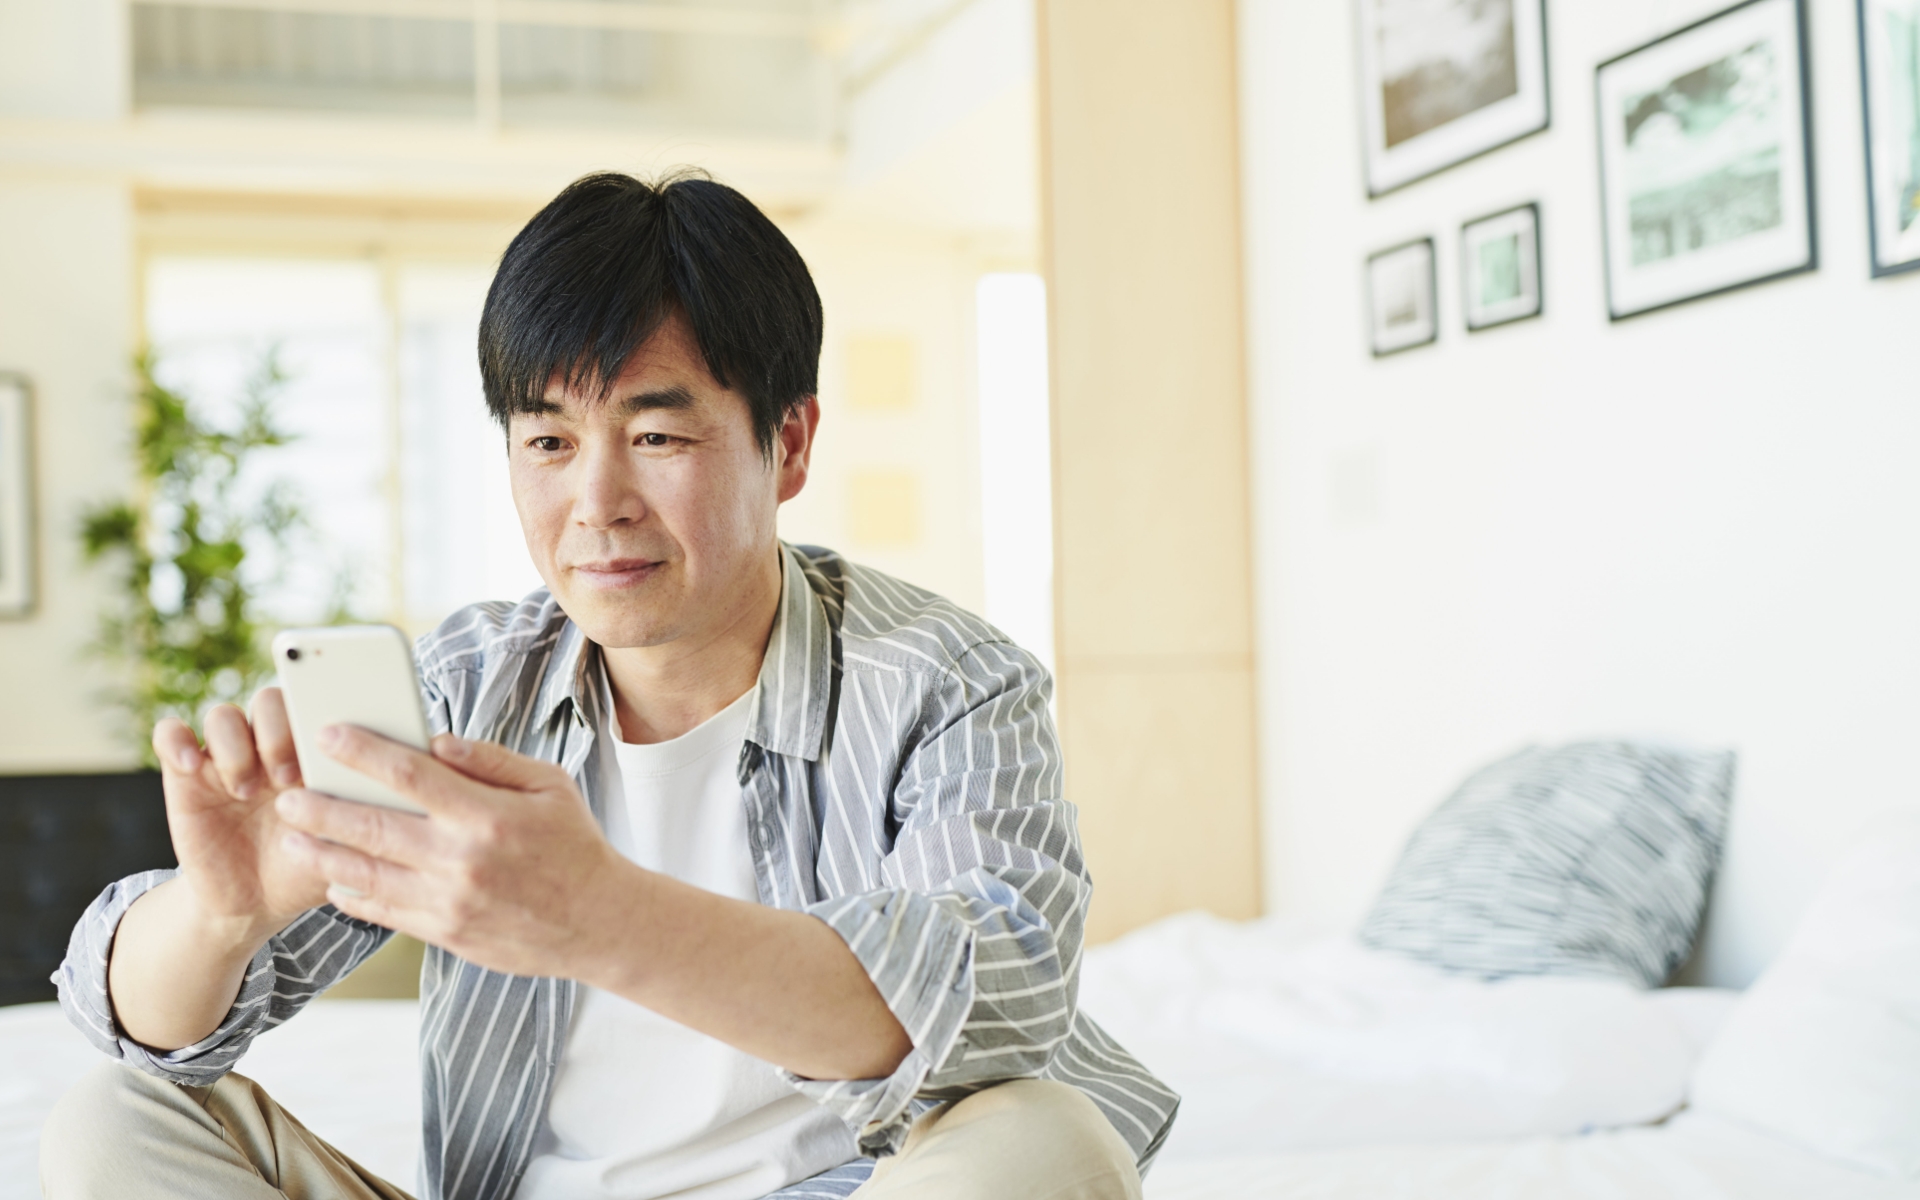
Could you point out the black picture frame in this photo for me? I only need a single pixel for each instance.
(1389, 163)
(1402, 290)
(1530, 301)
(1795, 251)
(19, 553)
(1903, 254)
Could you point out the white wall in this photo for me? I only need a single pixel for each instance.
(1700, 525)
(63, 60)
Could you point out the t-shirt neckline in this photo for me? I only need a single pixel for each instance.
(724, 728)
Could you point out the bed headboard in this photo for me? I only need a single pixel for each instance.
(62, 839)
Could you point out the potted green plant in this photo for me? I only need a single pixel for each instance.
(182, 623)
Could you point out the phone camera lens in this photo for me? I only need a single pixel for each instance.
(293, 654)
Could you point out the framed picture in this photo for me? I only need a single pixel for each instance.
(1704, 158)
(16, 496)
(1444, 80)
(1500, 267)
(1890, 81)
(1400, 296)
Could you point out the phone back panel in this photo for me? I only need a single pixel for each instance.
(349, 675)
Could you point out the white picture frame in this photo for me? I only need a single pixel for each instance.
(16, 496)
(1500, 267)
(1705, 158)
(1443, 81)
(1890, 103)
(1402, 302)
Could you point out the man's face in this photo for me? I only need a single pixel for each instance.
(650, 514)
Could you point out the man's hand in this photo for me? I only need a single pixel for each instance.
(509, 869)
(226, 833)
(181, 949)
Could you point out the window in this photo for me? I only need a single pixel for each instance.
(1016, 465)
(395, 463)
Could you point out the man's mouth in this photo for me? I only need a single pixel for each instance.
(614, 573)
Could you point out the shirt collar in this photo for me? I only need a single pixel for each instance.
(796, 677)
(568, 678)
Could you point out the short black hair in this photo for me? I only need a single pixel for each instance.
(608, 260)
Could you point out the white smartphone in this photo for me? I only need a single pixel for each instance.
(350, 675)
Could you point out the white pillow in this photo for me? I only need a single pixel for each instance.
(1824, 1050)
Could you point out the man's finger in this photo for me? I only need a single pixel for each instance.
(187, 774)
(435, 787)
(493, 763)
(273, 737)
(381, 833)
(178, 750)
(230, 741)
(341, 866)
(362, 907)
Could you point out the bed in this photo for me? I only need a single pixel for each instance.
(1685, 1159)
(1315, 1069)
(1312, 1068)
(1456, 1045)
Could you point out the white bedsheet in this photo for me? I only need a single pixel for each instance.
(1278, 1042)
(1308, 1040)
(349, 1069)
(1688, 1158)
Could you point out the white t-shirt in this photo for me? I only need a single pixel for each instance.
(643, 1107)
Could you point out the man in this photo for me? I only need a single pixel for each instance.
(744, 867)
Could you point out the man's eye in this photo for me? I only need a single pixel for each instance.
(655, 439)
(547, 445)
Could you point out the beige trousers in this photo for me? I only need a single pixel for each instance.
(124, 1135)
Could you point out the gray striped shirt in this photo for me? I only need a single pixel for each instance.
(902, 783)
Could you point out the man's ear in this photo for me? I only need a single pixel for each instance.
(793, 447)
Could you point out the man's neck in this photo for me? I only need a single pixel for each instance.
(661, 692)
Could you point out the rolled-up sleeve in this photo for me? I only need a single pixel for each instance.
(294, 966)
(975, 942)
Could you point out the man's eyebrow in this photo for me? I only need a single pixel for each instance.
(673, 397)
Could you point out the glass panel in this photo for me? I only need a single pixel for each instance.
(203, 56)
(210, 321)
(463, 540)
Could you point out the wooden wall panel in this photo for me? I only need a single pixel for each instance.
(1152, 553)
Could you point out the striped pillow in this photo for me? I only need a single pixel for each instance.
(1590, 859)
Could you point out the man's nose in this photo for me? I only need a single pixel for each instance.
(609, 492)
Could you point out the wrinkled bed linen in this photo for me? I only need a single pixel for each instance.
(1279, 1042)
(1689, 1158)
(1284, 1046)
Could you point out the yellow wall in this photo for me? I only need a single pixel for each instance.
(895, 480)
(66, 308)
(1154, 640)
